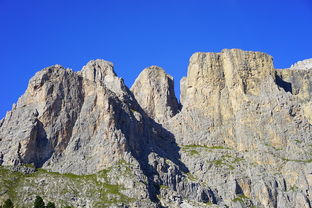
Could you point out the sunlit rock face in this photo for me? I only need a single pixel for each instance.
(240, 136)
(154, 91)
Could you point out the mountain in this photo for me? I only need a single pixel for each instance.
(240, 136)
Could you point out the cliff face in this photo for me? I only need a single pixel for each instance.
(70, 122)
(236, 107)
(241, 136)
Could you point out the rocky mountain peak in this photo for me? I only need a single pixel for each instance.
(154, 91)
(219, 83)
(102, 73)
(297, 80)
(302, 65)
(97, 70)
(242, 138)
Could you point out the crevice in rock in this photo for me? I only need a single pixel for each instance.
(287, 86)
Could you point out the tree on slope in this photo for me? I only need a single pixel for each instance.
(39, 203)
(8, 204)
(50, 205)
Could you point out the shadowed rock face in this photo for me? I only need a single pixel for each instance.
(241, 139)
(84, 122)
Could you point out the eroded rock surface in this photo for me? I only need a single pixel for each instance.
(154, 91)
(241, 131)
(242, 138)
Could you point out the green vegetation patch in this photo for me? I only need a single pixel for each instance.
(194, 150)
(163, 187)
(293, 188)
(191, 177)
(302, 161)
(202, 146)
(240, 198)
(9, 180)
(94, 186)
(226, 160)
(298, 141)
(221, 162)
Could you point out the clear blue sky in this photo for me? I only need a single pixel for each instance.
(134, 34)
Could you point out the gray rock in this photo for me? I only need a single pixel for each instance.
(242, 139)
(302, 65)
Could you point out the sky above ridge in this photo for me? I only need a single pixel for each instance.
(134, 34)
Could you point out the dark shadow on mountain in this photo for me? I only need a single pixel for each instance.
(43, 146)
(154, 139)
(283, 84)
(174, 101)
(163, 143)
(39, 149)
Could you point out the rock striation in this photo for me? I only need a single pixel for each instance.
(236, 106)
(241, 136)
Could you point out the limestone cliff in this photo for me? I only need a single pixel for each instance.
(74, 120)
(154, 91)
(241, 139)
(255, 131)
